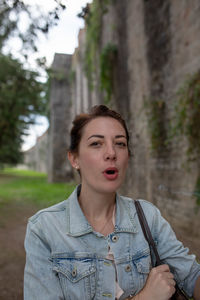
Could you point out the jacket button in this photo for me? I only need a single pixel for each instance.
(115, 238)
(128, 268)
(74, 273)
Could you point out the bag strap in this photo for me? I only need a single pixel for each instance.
(179, 294)
(146, 231)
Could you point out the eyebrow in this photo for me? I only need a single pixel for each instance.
(101, 136)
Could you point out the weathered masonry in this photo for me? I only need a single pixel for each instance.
(141, 54)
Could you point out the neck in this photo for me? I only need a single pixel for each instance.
(96, 205)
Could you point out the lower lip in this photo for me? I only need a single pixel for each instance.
(111, 176)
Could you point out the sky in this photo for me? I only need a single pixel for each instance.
(61, 39)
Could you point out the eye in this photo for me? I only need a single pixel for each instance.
(95, 144)
(121, 144)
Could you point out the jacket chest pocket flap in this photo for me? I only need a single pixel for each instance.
(142, 268)
(74, 269)
(77, 277)
(143, 265)
(143, 262)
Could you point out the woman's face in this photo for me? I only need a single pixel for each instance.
(103, 155)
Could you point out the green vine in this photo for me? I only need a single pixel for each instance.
(55, 74)
(155, 110)
(93, 36)
(107, 62)
(72, 76)
(197, 191)
(186, 121)
(187, 115)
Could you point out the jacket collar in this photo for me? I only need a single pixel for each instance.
(77, 224)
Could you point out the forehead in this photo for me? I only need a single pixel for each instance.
(104, 126)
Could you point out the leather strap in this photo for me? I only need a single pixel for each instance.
(179, 294)
(146, 231)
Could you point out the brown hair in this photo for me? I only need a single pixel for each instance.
(81, 120)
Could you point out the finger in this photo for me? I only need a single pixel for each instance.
(169, 275)
(173, 290)
(173, 283)
(162, 268)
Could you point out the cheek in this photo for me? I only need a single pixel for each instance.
(126, 164)
(88, 160)
(125, 158)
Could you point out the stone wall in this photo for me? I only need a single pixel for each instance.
(162, 52)
(158, 46)
(60, 119)
(36, 158)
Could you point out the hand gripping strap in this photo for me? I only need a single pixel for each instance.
(179, 294)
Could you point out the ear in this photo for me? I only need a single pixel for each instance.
(73, 158)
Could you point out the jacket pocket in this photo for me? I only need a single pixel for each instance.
(143, 267)
(77, 277)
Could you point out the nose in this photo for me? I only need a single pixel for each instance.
(110, 153)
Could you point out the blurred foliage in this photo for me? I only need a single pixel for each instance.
(22, 94)
(22, 97)
(187, 115)
(35, 20)
(107, 64)
(27, 186)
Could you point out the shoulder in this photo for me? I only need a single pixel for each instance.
(51, 217)
(151, 212)
(53, 210)
(46, 223)
(146, 205)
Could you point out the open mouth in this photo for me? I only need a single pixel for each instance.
(111, 173)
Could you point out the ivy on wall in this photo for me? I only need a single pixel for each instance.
(107, 63)
(72, 76)
(186, 121)
(155, 111)
(93, 35)
(55, 74)
(187, 115)
(197, 191)
(99, 64)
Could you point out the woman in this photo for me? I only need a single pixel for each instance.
(91, 246)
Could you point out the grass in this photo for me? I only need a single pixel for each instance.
(25, 186)
(19, 172)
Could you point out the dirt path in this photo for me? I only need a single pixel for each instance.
(13, 220)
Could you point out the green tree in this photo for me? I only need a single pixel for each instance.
(35, 19)
(22, 94)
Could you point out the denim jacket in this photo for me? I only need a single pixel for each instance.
(66, 258)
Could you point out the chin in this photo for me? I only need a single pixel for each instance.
(111, 187)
